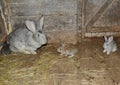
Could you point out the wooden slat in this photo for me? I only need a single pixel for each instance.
(96, 34)
(99, 13)
(104, 29)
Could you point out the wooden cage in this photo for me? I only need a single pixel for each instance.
(86, 18)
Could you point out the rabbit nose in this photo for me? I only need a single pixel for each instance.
(40, 31)
(44, 39)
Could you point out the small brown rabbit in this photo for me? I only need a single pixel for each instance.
(70, 52)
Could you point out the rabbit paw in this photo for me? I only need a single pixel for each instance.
(33, 52)
(104, 51)
(115, 49)
(70, 56)
(29, 52)
(108, 52)
(26, 52)
(61, 54)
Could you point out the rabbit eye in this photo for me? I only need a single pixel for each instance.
(107, 44)
(38, 34)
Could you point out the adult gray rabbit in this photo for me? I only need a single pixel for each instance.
(27, 39)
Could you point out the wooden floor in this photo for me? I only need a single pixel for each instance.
(89, 67)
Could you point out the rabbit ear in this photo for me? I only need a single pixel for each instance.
(105, 38)
(30, 25)
(110, 39)
(40, 23)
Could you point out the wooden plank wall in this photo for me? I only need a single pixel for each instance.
(60, 17)
(66, 20)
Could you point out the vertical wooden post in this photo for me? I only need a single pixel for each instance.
(79, 20)
(83, 17)
(5, 21)
(8, 14)
(3, 26)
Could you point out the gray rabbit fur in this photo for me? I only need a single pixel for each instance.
(109, 45)
(27, 39)
(70, 52)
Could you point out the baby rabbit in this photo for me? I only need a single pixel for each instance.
(27, 39)
(71, 52)
(109, 45)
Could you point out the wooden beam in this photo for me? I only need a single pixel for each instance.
(96, 34)
(104, 29)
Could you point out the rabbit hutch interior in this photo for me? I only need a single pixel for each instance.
(59, 42)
